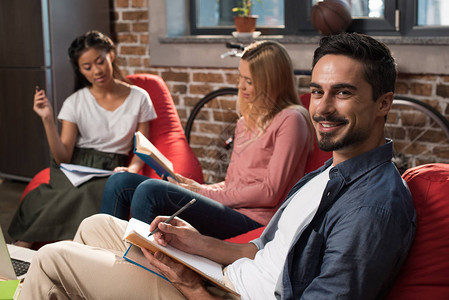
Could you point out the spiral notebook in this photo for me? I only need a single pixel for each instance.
(137, 234)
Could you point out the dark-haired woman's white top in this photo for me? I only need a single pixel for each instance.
(53, 211)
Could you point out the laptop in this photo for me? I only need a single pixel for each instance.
(14, 260)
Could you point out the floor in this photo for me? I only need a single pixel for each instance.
(10, 192)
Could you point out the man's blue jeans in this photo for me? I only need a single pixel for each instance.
(146, 199)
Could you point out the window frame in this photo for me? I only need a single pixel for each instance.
(410, 19)
(299, 24)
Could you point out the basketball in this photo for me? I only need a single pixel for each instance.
(331, 16)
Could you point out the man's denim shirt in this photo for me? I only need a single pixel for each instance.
(358, 239)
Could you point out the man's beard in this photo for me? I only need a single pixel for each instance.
(328, 142)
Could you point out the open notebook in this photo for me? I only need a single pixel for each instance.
(80, 174)
(137, 234)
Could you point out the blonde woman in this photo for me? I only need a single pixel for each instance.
(273, 139)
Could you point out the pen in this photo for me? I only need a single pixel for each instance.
(174, 215)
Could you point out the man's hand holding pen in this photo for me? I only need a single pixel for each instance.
(186, 183)
(180, 235)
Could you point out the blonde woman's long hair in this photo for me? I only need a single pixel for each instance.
(274, 85)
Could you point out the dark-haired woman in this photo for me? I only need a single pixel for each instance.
(98, 124)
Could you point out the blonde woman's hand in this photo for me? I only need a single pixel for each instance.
(121, 169)
(186, 183)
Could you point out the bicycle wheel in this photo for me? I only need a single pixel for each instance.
(209, 131)
(419, 132)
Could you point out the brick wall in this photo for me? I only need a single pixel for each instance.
(130, 33)
(429, 144)
(189, 85)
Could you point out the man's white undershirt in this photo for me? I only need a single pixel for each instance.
(256, 279)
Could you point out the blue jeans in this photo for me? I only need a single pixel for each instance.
(146, 199)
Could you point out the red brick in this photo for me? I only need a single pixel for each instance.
(191, 101)
(203, 116)
(421, 89)
(415, 149)
(134, 62)
(225, 116)
(442, 152)
(139, 3)
(179, 88)
(175, 76)
(135, 15)
(412, 119)
(146, 62)
(140, 27)
(144, 39)
(202, 89)
(401, 88)
(121, 27)
(434, 103)
(208, 77)
(182, 113)
(175, 98)
(127, 38)
(443, 90)
(121, 61)
(121, 3)
(132, 50)
(141, 70)
(232, 79)
(221, 103)
(211, 128)
(199, 140)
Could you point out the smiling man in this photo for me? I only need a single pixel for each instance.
(343, 232)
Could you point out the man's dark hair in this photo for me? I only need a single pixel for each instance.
(379, 65)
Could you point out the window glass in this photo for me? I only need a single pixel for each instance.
(365, 8)
(433, 12)
(215, 13)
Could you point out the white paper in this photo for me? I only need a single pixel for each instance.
(79, 174)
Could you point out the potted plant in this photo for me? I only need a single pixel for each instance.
(244, 21)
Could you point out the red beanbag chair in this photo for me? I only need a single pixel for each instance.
(246, 237)
(425, 274)
(166, 132)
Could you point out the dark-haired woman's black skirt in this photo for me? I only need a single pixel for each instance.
(53, 211)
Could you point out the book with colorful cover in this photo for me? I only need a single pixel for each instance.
(147, 152)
